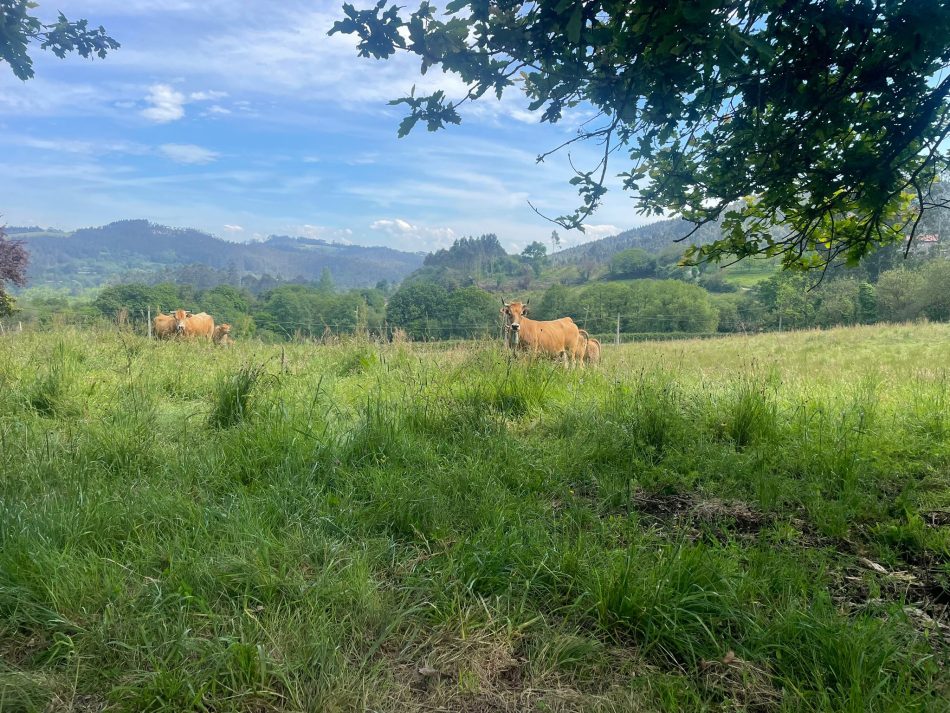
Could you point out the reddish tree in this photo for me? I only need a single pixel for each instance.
(13, 262)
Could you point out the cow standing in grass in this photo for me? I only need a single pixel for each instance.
(558, 338)
(592, 348)
(163, 326)
(192, 326)
(222, 335)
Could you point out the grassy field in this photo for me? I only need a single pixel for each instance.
(750, 524)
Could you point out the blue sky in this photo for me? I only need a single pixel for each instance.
(243, 119)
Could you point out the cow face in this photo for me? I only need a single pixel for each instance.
(514, 312)
(180, 316)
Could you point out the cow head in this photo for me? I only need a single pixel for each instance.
(180, 316)
(513, 312)
(222, 331)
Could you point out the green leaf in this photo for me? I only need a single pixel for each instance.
(575, 23)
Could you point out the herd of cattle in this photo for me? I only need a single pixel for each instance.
(560, 338)
(182, 324)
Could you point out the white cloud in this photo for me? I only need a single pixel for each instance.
(233, 228)
(206, 96)
(321, 232)
(167, 104)
(409, 236)
(596, 232)
(188, 153)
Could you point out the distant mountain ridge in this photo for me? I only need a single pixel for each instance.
(93, 256)
(654, 238)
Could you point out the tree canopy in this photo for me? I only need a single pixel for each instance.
(13, 262)
(809, 129)
(19, 29)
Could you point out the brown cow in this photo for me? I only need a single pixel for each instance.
(559, 337)
(592, 353)
(190, 325)
(163, 326)
(222, 335)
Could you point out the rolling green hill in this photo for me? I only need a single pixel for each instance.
(138, 249)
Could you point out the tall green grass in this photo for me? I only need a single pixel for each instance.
(392, 527)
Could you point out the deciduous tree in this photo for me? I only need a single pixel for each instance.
(826, 117)
(13, 262)
(19, 29)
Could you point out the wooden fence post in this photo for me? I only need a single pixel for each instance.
(618, 330)
(149, 318)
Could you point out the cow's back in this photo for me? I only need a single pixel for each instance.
(199, 325)
(553, 337)
(163, 326)
(593, 351)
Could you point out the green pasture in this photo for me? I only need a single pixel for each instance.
(741, 524)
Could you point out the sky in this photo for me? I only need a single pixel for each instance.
(244, 119)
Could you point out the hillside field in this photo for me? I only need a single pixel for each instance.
(740, 524)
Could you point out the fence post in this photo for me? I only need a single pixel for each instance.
(19, 326)
(149, 318)
(618, 330)
(1, 328)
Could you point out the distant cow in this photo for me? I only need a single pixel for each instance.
(222, 335)
(163, 326)
(558, 338)
(190, 325)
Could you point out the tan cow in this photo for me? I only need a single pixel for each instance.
(222, 335)
(592, 353)
(558, 338)
(190, 325)
(163, 326)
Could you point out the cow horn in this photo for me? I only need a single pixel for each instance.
(503, 302)
(527, 301)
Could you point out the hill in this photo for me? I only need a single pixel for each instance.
(137, 248)
(654, 238)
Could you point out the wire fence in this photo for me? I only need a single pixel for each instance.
(662, 327)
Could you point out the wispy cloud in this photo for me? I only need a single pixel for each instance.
(167, 104)
(233, 228)
(189, 153)
(322, 232)
(407, 235)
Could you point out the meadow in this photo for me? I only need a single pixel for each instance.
(742, 524)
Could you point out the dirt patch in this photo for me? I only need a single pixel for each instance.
(489, 672)
(688, 512)
(936, 518)
(742, 683)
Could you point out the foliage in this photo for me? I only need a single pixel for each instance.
(293, 310)
(932, 296)
(137, 299)
(823, 117)
(632, 263)
(426, 310)
(19, 29)
(537, 256)
(642, 306)
(13, 262)
(897, 294)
